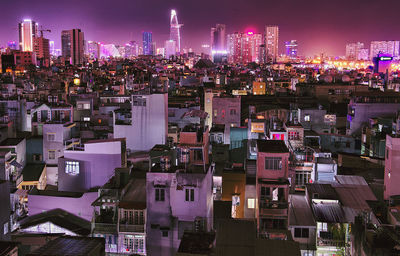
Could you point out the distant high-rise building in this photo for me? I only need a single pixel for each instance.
(28, 30)
(41, 47)
(363, 54)
(147, 41)
(218, 38)
(353, 49)
(291, 49)
(244, 47)
(12, 45)
(131, 49)
(385, 47)
(93, 50)
(271, 43)
(72, 44)
(52, 48)
(170, 48)
(174, 32)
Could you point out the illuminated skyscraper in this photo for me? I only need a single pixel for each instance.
(72, 43)
(52, 48)
(271, 43)
(385, 47)
(244, 47)
(291, 49)
(28, 30)
(174, 32)
(147, 42)
(353, 49)
(170, 48)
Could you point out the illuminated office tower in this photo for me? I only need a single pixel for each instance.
(147, 43)
(385, 47)
(291, 49)
(52, 48)
(244, 47)
(72, 43)
(174, 32)
(28, 30)
(271, 43)
(353, 49)
(170, 48)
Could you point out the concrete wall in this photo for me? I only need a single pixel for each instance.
(221, 111)
(149, 124)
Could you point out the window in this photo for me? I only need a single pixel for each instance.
(86, 106)
(72, 167)
(233, 112)
(265, 192)
(160, 194)
(189, 195)
(198, 155)
(52, 154)
(215, 113)
(307, 118)
(128, 243)
(301, 232)
(165, 233)
(5, 228)
(273, 163)
(293, 135)
(86, 119)
(51, 136)
(250, 203)
(322, 226)
(37, 157)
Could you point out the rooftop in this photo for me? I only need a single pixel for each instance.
(32, 172)
(71, 246)
(11, 141)
(60, 218)
(272, 146)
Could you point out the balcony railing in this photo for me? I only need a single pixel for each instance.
(273, 205)
(131, 228)
(105, 228)
(330, 243)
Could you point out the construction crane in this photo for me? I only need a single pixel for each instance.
(43, 30)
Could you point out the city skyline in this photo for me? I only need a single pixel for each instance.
(314, 25)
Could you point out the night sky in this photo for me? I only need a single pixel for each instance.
(318, 25)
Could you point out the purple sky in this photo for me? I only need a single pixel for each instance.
(318, 25)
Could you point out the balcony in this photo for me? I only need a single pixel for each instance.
(131, 228)
(323, 242)
(274, 208)
(106, 228)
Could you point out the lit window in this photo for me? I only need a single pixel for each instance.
(307, 118)
(250, 203)
(86, 119)
(5, 228)
(86, 106)
(72, 167)
(51, 136)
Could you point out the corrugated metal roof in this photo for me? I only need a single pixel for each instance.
(300, 213)
(329, 213)
(351, 180)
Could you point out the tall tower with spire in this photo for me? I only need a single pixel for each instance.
(174, 32)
